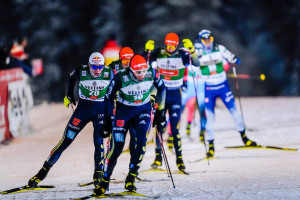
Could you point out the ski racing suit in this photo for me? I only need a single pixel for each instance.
(91, 107)
(133, 110)
(194, 78)
(117, 66)
(171, 68)
(216, 85)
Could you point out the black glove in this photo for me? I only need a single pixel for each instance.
(71, 99)
(184, 86)
(160, 121)
(106, 129)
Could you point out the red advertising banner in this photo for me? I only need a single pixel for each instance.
(6, 77)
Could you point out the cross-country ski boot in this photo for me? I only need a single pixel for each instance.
(188, 129)
(201, 136)
(180, 164)
(157, 162)
(102, 187)
(41, 175)
(211, 149)
(170, 143)
(246, 141)
(130, 182)
(97, 177)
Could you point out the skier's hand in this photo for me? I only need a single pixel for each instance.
(184, 86)
(106, 129)
(187, 43)
(149, 45)
(68, 100)
(160, 121)
(234, 59)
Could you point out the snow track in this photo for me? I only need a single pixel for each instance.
(233, 174)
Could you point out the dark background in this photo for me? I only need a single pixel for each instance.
(264, 34)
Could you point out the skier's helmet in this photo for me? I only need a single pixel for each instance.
(138, 66)
(137, 63)
(96, 61)
(171, 39)
(206, 37)
(126, 53)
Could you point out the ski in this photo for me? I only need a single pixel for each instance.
(121, 194)
(26, 188)
(261, 147)
(113, 181)
(164, 170)
(201, 159)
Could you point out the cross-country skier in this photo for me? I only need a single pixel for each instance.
(211, 57)
(171, 64)
(133, 110)
(94, 79)
(194, 78)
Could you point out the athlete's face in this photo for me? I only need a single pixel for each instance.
(171, 48)
(207, 42)
(140, 74)
(96, 69)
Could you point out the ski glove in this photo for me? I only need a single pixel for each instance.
(184, 86)
(160, 121)
(234, 59)
(106, 129)
(68, 100)
(187, 43)
(149, 45)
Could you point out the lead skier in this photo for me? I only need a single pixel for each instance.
(94, 79)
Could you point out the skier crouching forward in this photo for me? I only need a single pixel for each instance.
(93, 83)
(133, 110)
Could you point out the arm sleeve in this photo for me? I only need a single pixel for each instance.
(226, 54)
(114, 86)
(188, 57)
(74, 75)
(153, 55)
(161, 90)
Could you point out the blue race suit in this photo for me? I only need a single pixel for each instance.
(197, 80)
(132, 114)
(181, 59)
(86, 111)
(216, 84)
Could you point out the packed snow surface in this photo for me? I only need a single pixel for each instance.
(233, 174)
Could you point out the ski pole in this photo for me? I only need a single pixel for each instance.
(197, 101)
(165, 156)
(160, 140)
(238, 91)
(260, 77)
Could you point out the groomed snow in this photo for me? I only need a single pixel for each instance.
(234, 174)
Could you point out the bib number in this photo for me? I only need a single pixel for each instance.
(138, 97)
(94, 93)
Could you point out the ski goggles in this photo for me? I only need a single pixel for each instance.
(95, 67)
(207, 41)
(125, 61)
(171, 47)
(140, 72)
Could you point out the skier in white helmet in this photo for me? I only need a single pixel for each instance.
(94, 79)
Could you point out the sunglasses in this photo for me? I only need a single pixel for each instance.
(125, 61)
(95, 67)
(140, 72)
(171, 47)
